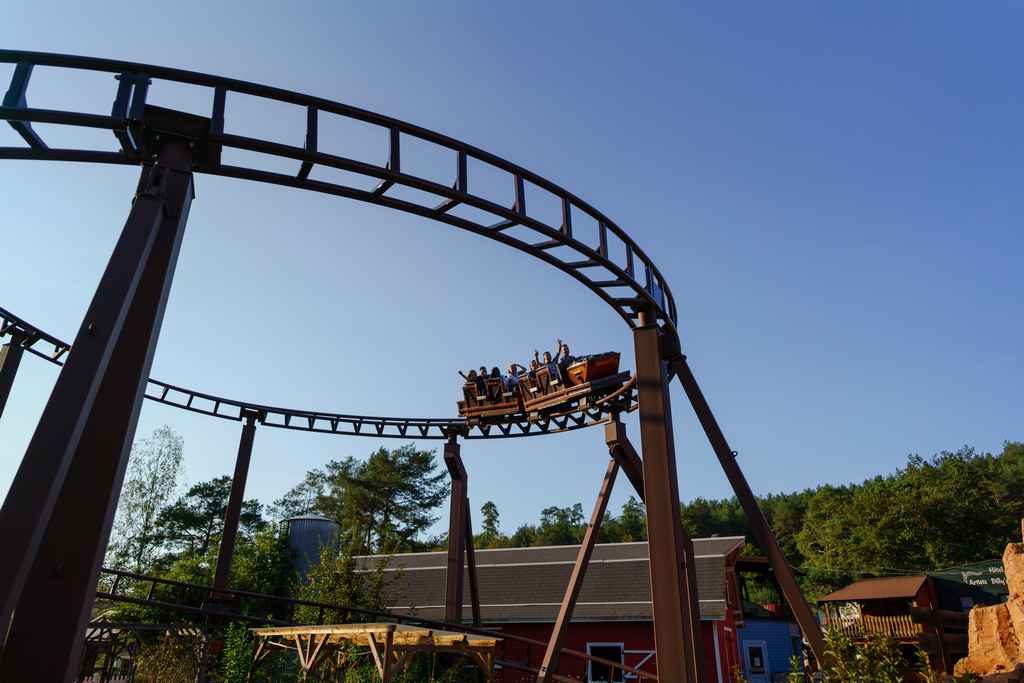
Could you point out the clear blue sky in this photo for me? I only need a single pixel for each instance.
(834, 192)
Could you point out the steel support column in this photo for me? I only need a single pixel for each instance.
(234, 511)
(474, 588)
(549, 667)
(55, 522)
(456, 534)
(10, 359)
(677, 631)
(765, 538)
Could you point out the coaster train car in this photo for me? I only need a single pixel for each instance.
(584, 382)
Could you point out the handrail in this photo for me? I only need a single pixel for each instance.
(893, 626)
(220, 597)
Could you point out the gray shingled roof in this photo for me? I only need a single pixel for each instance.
(527, 584)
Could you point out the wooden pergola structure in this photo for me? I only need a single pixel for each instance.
(392, 646)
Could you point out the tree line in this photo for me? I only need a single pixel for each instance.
(950, 509)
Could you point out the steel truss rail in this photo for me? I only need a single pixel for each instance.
(621, 401)
(606, 260)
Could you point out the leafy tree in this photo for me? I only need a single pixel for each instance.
(490, 518)
(561, 526)
(630, 526)
(340, 580)
(824, 539)
(304, 498)
(385, 502)
(490, 536)
(524, 537)
(1004, 475)
(154, 468)
(195, 521)
(785, 515)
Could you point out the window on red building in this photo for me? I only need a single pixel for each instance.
(602, 672)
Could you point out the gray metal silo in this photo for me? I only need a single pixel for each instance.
(305, 535)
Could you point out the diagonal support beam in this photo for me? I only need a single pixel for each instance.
(56, 519)
(549, 666)
(456, 534)
(234, 511)
(474, 589)
(780, 567)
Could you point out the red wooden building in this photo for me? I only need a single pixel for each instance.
(521, 590)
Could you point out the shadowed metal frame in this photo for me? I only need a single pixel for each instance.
(650, 312)
(601, 272)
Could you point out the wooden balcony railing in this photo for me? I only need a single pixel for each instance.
(900, 626)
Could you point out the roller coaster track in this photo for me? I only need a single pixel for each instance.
(577, 239)
(504, 202)
(622, 400)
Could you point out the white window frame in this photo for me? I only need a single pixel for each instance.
(649, 653)
(764, 654)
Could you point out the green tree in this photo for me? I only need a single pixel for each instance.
(195, 521)
(302, 499)
(384, 502)
(154, 467)
(490, 536)
(630, 526)
(1004, 475)
(524, 537)
(824, 538)
(561, 526)
(340, 579)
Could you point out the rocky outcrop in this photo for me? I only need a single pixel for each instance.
(995, 635)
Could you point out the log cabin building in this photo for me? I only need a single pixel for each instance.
(886, 606)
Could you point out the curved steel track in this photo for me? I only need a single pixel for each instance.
(604, 259)
(623, 400)
(581, 241)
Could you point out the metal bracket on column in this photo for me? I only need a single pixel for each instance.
(56, 519)
(10, 359)
(15, 98)
(622, 450)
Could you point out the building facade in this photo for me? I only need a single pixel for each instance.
(521, 591)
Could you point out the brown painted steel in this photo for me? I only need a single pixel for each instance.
(456, 535)
(629, 271)
(234, 511)
(624, 453)
(549, 666)
(56, 519)
(621, 401)
(765, 538)
(10, 359)
(474, 587)
(677, 631)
